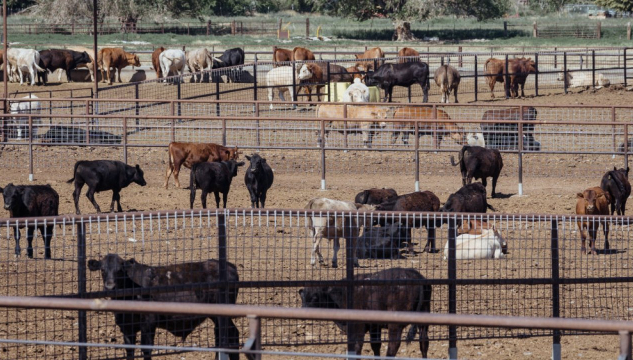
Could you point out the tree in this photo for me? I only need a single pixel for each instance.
(402, 12)
(618, 5)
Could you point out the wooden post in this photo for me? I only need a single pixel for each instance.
(628, 30)
(307, 27)
(534, 30)
(279, 26)
(233, 27)
(459, 62)
(208, 27)
(505, 29)
(599, 30)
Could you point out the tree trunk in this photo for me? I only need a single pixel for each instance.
(403, 31)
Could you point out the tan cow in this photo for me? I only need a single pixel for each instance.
(372, 113)
(198, 60)
(115, 58)
(447, 78)
(437, 130)
(593, 201)
(375, 53)
(281, 55)
(407, 52)
(187, 154)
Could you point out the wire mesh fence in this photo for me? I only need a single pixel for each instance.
(518, 265)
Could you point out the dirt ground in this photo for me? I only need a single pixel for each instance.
(295, 184)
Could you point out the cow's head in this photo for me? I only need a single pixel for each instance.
(133, 59)
(475, 139)
(320, 297)
(84, 59)
(233, 165)
(112, 268)
(136, 174)
(530, 66)
(590, 198)
(305, 72)
(502, 241)
(231, 154)
(357, 92)
(256, 163)
(12, 196)
(561, 76)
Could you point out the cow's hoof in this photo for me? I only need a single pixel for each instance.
(334, 265)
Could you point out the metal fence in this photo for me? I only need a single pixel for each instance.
(561, 141)
(543, 274)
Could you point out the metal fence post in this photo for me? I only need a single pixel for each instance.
(295, 91)
(329, 83)
(506, 82)
(417, 156)
(626, 145)
(556, 349)
(322, 154)
(30, 147)
(452, 287)
(81, 288)
(179, 96)
(565, 71)
(349, 269)
(137, 110)
(476, 85)
(625, 345)
(535, 74)
(624, 62)
(217, 94)
(258, 135)
(520, 154)
(593, 69)
(125, 139)
(223, 288)
(255, 81)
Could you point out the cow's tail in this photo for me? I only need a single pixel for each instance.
(490, 207)
(192, 178)
(422, 296)
(617, 182)
(311, 229)
(74, 172)
(486, 64)
(39, 69)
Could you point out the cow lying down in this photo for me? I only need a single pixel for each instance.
(489, 244)
(584, 79)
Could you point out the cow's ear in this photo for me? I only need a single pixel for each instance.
(627, 171)
(94, 265)
(579, 195)
(615, 168)
(247, 157)
(138, 167)
(356, 56)
(1, 189)
(301, 292)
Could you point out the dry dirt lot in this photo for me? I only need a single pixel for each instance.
(294, 185)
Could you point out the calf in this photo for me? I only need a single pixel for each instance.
(375, 196)
(389, 75)
(103, 175)
(156, 62)
(378, 242)
(390, 297)
(29, 201)
(447, 78)
(119, 274)
(356, 92)
(281, 55)
(479, 163)
(281, 78)
(439, 130)
(258, 179)
(311, 73)
(593, 201)
(25, 108)
(616, 183)
(188, 154)
(471, 198)
(476, 139)
(488, 244)
(215, 177)
(584, 79)
(115, 58)
(367, 128)
(424, 201)
(333, 226)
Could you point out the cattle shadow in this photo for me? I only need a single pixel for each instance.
(499, 195)
(610, 251)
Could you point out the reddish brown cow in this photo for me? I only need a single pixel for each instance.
(593, 201)
(356, 72)
(156, 61)
(519, 70)
(375, 53)
(188, 154)
(115, 58)
(281, 55)
(300, 54)
(437, 130)
(405, 52)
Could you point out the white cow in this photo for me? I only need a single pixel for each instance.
(334, 227)
(25, 61)
(173, 60)
(26, 107)
(281, 76)
(583, 79)
(356, 92)
(198, 60)
(476, 139)
(487, 245)
(88, 66)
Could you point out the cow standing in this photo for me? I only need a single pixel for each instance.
(103, 175)
(215, 177)
(89, 65)
(188, 154)
(156, 62)
(119, 275)
(258, 178)
(66, 60)
(617, 184)
(198, 60)
(174, 61)
(24, 61)
(593, 201)
(479, 163)
(389, 75)
(29, 201)
(447, 78)
(115, 58)
(280, 56)
(371, 55)
(518, 69)
(439, 130)
(390, 297)
(471, 198)
(375, 196)
(407, 54)
(505, 136)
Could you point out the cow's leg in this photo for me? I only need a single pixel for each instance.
(148, 330)
(316, 244)
(118, 70)
(623, 207)
(494, 185)
(583, 237)
(336, 245)
(394, 136)
(129, 338)
(593, 232)
(424, 340)
(176, 171)
(224, 198)
(47, 235)
(484, 182)
(254, 199)
(425, 92)
(522, 93)
(271, 96)
(390, 89)
(30, 231)
(21, 75)
(262, 198)
(33, 73)
(405, 137)
(605, 228)
(374, 339)
(116, 195)
(91, 196)
(203, 198)
(170, 170)
(217, 199)
(79, 184)
(455, 92)
(395, 334)
(16, 236)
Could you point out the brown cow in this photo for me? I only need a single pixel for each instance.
(593, 201)
(447, 78)
(115, 58)
(444, 129)
(356, 73)
(156, 62)
(281, 55)
(187, 154)
(519, 70)
(300, 54)
(375, 53)
(406, 52)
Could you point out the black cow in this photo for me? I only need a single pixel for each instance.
(471, 198)
(616, 183)
(375, 196)
(67, 60)
(505, 136)
(258, 179)
(230, 57)
(389, 75)
(28, 201)
(212, 177)
(392, 297)
(119, 274)
(418, 201)
(102, 175)
(479, 163)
